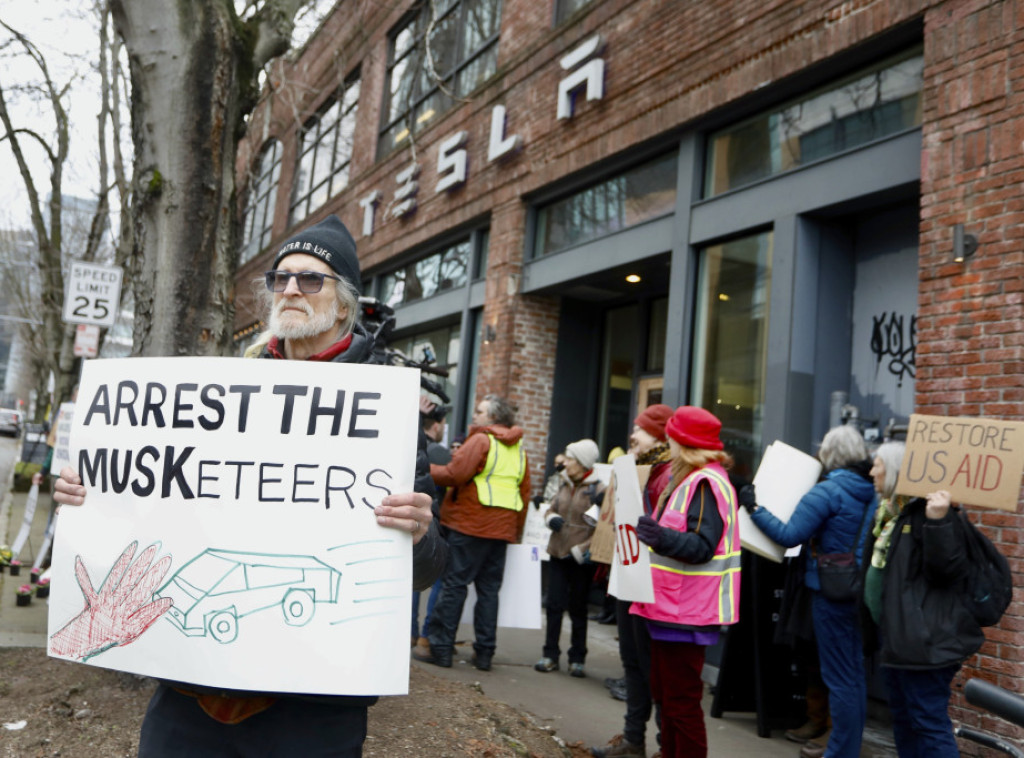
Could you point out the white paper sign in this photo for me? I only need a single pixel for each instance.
(535, 531)
(236, 496)
(630, 576)
(26, 520)
(61, 448)
(519, 598)
(784, 476)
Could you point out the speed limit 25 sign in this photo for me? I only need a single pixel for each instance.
(93, 294)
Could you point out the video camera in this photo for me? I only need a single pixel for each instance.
(379, 321)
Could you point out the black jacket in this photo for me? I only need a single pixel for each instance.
(923, 623)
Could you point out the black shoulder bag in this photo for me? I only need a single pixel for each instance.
(840, 577)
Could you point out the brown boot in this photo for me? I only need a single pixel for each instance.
(423, 645)
(809, 731)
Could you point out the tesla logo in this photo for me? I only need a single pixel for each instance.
(629, 544)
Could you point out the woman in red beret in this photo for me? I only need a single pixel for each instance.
(695, 566)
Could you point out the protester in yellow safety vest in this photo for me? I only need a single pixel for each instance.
(484, 509)
(695, 566)
(570, 570)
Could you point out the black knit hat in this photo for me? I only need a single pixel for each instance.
(331, 242)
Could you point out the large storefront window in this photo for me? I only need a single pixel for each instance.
(883, 100)
(638, 195)
(463, 42)
(437, 272)
(325, 149)
(731, 341)
(440, 344)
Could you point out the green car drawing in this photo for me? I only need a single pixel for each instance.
(218, 587)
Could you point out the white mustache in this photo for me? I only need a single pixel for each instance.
(296, 303)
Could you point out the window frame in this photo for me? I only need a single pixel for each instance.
(303, 193)
(256, 195)
(416, 53)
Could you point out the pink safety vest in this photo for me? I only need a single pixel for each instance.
(704, 594)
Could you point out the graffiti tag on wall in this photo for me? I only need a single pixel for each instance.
(894, 337)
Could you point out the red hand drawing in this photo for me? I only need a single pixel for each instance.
(121, 611)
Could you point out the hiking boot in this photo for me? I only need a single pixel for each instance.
(619, 747)
(546, 665)
(576, 670)
(482, 661)
(809, 731)
(444, 660)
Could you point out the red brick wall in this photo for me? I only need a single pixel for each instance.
(970, 360)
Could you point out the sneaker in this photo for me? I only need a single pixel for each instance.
(432, 656)
(619, 747)
(482, 661)
(545, 665)
(610, 683)
(576, 670)
(619, 693)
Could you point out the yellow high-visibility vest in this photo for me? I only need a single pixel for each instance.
(497, 484)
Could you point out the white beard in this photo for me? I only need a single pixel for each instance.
(286, 328)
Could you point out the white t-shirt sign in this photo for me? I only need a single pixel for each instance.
(228, 537)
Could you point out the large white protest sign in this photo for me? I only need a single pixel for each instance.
(519, 598)
(630, 576)
(535, 532)
(784, 476)
(228, 536)
(62, 442)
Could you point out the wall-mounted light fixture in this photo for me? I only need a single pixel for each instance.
(489, 334)
(964, 245)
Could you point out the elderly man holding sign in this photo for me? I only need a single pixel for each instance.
(308, 322)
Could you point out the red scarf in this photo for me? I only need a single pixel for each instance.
(339, 347)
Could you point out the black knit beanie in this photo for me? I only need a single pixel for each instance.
(331, 242)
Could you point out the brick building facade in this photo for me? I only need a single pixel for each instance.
(785, 178)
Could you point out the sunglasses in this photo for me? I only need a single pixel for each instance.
(309, 282)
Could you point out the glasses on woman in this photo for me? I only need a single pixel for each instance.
(309, 282)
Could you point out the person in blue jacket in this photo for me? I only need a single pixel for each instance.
(834, 515)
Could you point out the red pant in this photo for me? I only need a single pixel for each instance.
(676, 684)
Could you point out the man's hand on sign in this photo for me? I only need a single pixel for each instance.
(937, 504)
(123, 608)
(68, 488)
(407, 512)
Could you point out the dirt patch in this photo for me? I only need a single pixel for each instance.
(79, 711)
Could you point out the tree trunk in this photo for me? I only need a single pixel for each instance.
(189, 73)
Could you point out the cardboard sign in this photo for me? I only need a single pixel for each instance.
(235, 497)
(979, 461)
(630, 576)
(784, 476)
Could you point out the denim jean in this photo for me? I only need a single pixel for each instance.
(176, 727)
(417, 630)
(919, 701)
(837, 630)
(480, 562)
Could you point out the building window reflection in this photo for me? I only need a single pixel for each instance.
(438, 272)
(730, 350)
(258, 217)
(637, 195)
(872, 104)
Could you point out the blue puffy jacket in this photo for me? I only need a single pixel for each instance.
(830, 513)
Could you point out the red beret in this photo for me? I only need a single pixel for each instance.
(653, 420)
(695, 427)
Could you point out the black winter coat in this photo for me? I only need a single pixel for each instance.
(923, 623)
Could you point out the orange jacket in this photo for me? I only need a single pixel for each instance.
(461, 509)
